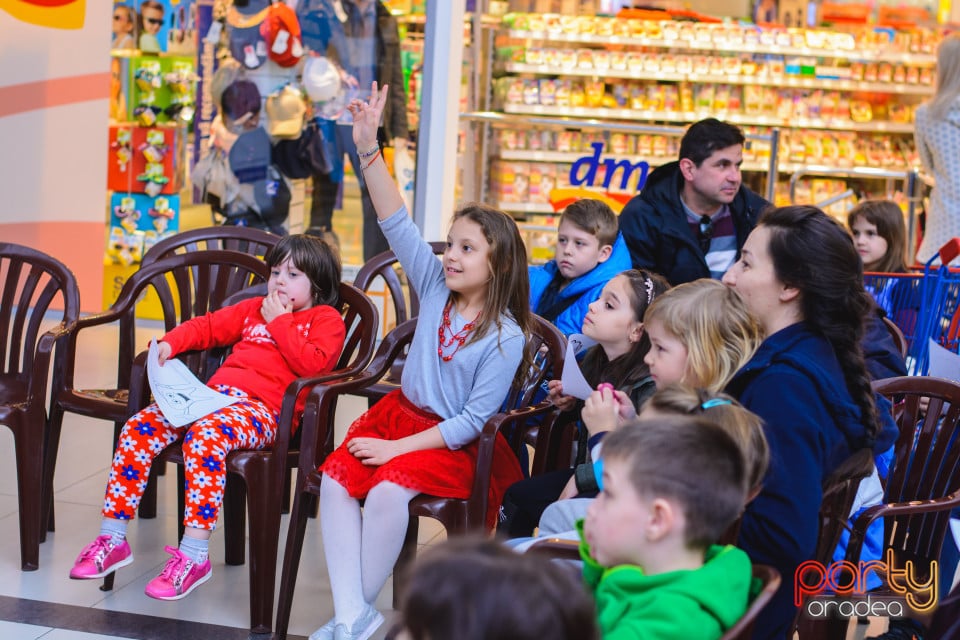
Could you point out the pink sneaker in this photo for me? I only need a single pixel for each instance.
(179, 577)
(100, 557)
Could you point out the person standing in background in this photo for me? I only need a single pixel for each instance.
(937, 133)
(363, 38)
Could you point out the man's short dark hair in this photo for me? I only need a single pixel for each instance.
(689, 460)
(707, 136)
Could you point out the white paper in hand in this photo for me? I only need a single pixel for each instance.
(943, 363)
(182, 398)
(580, 342)
(574, 384)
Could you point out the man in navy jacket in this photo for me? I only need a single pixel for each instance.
(693, 215)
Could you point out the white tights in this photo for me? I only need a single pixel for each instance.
(361, 550)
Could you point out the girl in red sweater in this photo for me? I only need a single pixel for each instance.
(293, 331)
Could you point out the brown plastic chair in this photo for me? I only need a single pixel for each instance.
(767, 578)
(31, 285)
(898, 338)
(769, 582)
(255, 479)
(256, 242)
(923, 485)
(457, 515)
(839, 492)
(187, 285)
(385, 265)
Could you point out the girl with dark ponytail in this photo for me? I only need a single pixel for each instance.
(801, 276)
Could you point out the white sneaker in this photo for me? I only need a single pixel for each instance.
(363, 627)
(325, 632)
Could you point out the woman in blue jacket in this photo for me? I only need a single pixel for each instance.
(801, 276)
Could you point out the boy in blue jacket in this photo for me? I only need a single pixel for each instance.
(589, 253)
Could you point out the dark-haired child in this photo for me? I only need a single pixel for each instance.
(293, 331)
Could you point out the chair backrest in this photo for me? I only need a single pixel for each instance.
(187, 285)
(926, 464)
(382, 265)
(769, 581)
(31, 284)
(897, 335)
(839, 492)
(256, 242)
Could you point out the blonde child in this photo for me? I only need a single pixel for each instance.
(615, 321)
(468, 347)
(700, 335)
(291, 332)
(879, 235)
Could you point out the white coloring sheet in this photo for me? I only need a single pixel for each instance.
(182, 398)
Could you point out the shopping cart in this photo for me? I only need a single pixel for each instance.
(938, 320)
(899, 295)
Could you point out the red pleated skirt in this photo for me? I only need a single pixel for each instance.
(443, 472)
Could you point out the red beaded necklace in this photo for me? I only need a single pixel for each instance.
(457, 338)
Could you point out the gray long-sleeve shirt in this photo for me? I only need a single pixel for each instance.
(471, 387)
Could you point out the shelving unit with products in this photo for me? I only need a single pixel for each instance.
(840, 99)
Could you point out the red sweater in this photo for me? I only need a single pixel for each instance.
(266, 357)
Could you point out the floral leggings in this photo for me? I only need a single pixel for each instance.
(246, 424)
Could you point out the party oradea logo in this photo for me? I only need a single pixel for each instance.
(55, 14)
(840, 589)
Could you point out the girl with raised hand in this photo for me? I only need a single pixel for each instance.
(467, 348)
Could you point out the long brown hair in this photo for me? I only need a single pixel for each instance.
(832, 298)
(508, 291)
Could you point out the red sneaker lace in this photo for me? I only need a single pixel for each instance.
(174, 570)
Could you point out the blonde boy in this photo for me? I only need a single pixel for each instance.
(671, 486)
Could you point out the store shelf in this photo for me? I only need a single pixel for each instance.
(693, 116)
(783, 81)
(895, 57)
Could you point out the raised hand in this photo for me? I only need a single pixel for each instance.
(366, 117)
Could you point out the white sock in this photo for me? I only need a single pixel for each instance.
(385, 517)
(340, 528)
(194, 548)
(116, 529)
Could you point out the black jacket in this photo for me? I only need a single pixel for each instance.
(654, 225)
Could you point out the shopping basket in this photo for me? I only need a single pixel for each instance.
(939, 298)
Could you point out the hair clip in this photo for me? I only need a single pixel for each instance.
(714, 402)
(648, 284)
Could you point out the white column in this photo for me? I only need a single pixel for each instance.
(439, 112)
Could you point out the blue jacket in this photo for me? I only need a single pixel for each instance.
(585, 289)
(795, 384)
(654, 226)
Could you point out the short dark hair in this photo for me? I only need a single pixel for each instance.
(594, 217)
(316, 259)
(473, 588)
(706, 136)
(689, 460)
